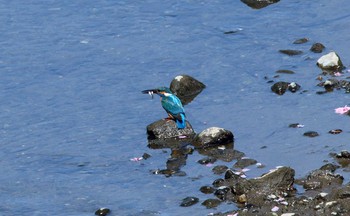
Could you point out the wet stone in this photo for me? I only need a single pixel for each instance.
(258, 4)
(146, 156)
(280, 87)
(189, 201)
(164, 129)
(330, 167)
(317, 48)
(212, 137)
(291, 52)
(221, 192)
(220, 169)
(207, 189)
(293, 87)
(283, 71)
(242, 163)
(218, 182)
(295, 125)
(207, 160)
(102, 212)
(211, 203)
(186, 88)
(311, 134)
(330, 61)
(335, 131)
(301, 41)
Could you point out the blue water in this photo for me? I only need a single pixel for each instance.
(72, 114)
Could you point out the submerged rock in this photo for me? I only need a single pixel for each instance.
(301, 41)
(291, 52)
(330, 61)
(258, 4)
(186, 88)
(211, 203)
(317, 48)
(213, 136)
(319, 179)
(102, 212)
(281, 87)
(163, 129)
(189, 201)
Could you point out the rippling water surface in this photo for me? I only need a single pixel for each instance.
(72, 115)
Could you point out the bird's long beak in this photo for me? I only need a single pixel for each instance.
(150, 92)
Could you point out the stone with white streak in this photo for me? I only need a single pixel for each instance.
(330, 61)
(213, 136)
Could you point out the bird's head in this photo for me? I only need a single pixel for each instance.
(161, 91)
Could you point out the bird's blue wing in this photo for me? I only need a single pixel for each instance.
(173, 105)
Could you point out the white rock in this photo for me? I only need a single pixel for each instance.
(329, 61)
(288, 214)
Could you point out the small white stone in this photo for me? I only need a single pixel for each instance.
(288, 214)
(323, 194)
(330, 204)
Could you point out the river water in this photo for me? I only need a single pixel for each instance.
(72, 114)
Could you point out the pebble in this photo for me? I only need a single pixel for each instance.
(189, 201)
(102, 211)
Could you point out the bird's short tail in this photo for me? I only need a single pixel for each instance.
(181, 124)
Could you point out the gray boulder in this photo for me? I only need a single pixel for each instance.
(186, 88)
(163, 129)
(212, 137)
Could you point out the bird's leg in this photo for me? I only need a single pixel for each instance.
(170, 117)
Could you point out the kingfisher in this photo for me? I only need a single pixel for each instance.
(172, 105)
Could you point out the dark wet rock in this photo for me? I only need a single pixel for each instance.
(330, 61)
(343, 158)
(317, 48)
(163, 129)
(311, 134)
(319, 179)
(220, 169)
(284, 71)
(189, 201)
(102, 211)
(293, 87)
(281, 178)
(225, 153)
(258, 4)
(211, 203)
(329, 167)
(335, 131)
(301, 41)
(223, 193)
(218, 182)
(245, 162)
(331, 84)
(213, 136)
(207, 160)
(291, 52)
(295, 125)
(186, 88)
(146, 156)
(207, 190)
(230, 174)
(281, 87)
(344, 154)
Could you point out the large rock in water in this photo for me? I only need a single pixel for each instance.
(186, 88)
(212, 137)
(163, 129)
(331, 61)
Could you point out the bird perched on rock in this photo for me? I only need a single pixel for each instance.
(172, 105)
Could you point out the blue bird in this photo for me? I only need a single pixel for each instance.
(172, 105)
